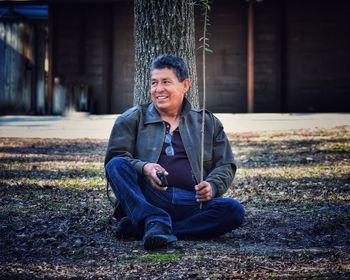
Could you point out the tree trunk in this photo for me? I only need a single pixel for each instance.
(163, 26)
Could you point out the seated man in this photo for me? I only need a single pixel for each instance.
(165, 136)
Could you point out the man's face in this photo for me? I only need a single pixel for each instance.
(167, 92)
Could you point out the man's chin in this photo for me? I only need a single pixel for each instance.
(162, 105)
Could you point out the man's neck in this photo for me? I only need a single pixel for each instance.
(170, 116)
(172, 119)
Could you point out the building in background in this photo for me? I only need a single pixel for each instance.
(269, 56)
(23, 58)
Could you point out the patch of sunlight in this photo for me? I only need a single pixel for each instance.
(74, 183)
(335, 147)
(301, 171)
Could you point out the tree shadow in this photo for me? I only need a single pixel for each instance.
(290, 152)
(83, 147)
(48, 174)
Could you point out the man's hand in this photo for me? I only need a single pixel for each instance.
(204, 191)
(149, 170)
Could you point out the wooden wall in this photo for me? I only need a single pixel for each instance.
(82, 51)
(268, 36)
(317, 56)
(302, 58)
(16, 66)
(227, 65)
(123, 57)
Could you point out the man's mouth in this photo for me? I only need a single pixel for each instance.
(162, 97)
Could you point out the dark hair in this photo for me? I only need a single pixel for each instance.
(172, 62)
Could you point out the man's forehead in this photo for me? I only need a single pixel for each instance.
(163, 73)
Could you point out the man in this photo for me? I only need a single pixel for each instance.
(164, 136)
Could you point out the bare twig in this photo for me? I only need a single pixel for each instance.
(205, 48)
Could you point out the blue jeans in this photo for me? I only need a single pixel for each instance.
(176, 208)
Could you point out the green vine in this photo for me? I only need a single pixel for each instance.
(205, 6)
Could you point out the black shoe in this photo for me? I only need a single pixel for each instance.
(125, 229)
(157, 235)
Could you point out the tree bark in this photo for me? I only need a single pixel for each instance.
(163, 26)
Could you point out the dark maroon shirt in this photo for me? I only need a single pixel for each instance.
(178, 165)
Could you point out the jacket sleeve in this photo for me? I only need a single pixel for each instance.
(122, 141)
(224, 166)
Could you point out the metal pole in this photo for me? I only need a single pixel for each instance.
(250, 55)
(50, 61)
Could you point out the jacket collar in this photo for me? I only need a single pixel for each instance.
(153, 116)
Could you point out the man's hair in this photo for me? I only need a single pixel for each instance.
(171, 62)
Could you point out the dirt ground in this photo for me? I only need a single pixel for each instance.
(55, 217)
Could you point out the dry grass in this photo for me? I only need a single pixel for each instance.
(55, 217)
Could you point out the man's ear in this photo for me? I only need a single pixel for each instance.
(187, 84)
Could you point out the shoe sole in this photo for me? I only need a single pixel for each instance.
(158, 241)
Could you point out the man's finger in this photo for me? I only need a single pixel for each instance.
(201, 186)
(204, 195)
(204, 190)
(158, 186)
(162, 189)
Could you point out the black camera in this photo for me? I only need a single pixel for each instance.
(162, 178)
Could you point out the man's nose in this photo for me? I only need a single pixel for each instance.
(159, 87)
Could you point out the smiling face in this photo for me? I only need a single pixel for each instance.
(167, 92)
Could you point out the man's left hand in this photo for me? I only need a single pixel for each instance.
(204, 191)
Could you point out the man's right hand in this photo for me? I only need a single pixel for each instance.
(150, 170)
